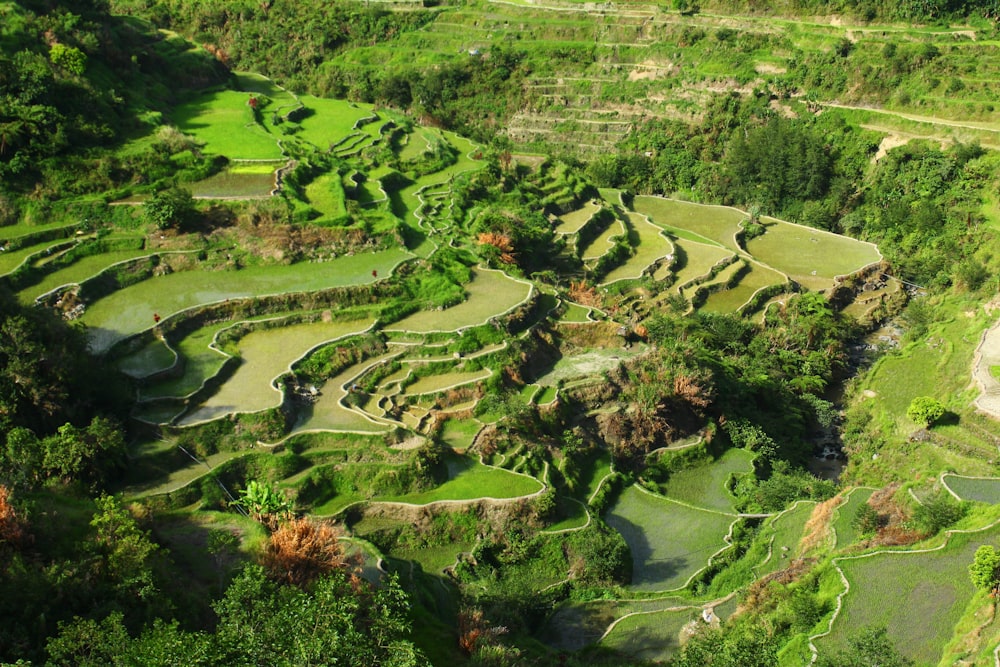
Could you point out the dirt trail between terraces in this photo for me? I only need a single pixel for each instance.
(988, 356)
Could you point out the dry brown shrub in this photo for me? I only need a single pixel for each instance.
(473, 628)
(688, 388)
(302, 550)
(758, 595)
(501, 242)
(817, 528)
(12, 531)
(584, 294)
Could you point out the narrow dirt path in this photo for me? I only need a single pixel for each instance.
(987, 356)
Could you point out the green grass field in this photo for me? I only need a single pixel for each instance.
(979, 489)
(919, 597)
(223, 121)
(811, 257)
(705, 486)
(265, 355)
(650, 245)
(469, 479)
(670, 542)
(130, 310)
(491, 293)
(717, 224)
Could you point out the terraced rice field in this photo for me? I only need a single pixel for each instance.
(670, 542)
(811, 257)
(329, 413)
(578, 624)
(718, 224)
(491, 293)
(130, 310)
(918, 596)
(572, 222)
(9, 232)
(460, 433)
(705, 486)
(696, 260)
(238, 182)
(201, 361)
(653, 636)
(332, 120)
(434, 383)
(265, 355)
(979, 489)
(469, 480)
(730, 300)
(77, 272)
(224, 122)
(604, 242)
(326, 195)
(843, 525)
(576, 314)
(154, 357)
(785, 532)
(12, 259)
(649, 245)
(591, 362)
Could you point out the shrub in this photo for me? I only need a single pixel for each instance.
(925, 410)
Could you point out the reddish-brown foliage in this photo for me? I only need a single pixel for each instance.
(501, 242)
(11, 527)
(584, 294)
(302, 550)
(693, 392)
(473, 628)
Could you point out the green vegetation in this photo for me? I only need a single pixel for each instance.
(547, 311)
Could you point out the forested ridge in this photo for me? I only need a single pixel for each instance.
(145, 519)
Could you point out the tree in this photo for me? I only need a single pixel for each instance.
(925, 410)
(263, 503)
(870, 648)
(939, 511)
(173, 207)
(124, 551)
(985, 569)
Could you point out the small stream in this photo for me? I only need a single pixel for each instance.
(828, 458)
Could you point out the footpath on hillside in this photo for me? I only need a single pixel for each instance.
(988, 357)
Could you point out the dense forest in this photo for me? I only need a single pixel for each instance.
(139, 527)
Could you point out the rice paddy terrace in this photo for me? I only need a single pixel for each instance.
(596, 70)
(334, 379)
